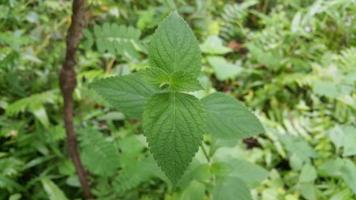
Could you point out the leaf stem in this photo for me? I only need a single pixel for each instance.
(205, 153)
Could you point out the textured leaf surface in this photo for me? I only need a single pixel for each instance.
(174, 47)
(173, 124)
(231, 188)
(177, 81)
(126, 93)
(228, 118)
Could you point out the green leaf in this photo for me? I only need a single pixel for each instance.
(173, 124)
(195, 191)
(331, 167)
(231, 188)
(228, 118)
(348, 173)
(298, 148)
(52, 190)
(35, 104)
(326, 88)
(337, 135)
(308, 174)
(248, 172)
(223, 69)
(178, 81)
(117, 39)
(213, 45)
(126, 93)
(174, 47)
(308, 190)
(134, 174)
(349, 140)
(99, 155)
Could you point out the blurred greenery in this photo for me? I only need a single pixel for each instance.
(293, 62)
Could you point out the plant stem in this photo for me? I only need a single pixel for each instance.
(205, 153)
(68, 84)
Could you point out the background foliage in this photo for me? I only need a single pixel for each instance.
(292, 62)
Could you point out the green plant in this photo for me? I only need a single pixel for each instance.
(174, 120)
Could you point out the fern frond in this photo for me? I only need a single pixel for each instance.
(347, 58)
(34, 104)
(135, 174)
(233, 18)
(117, 39)
(99, 154)
(31, 102)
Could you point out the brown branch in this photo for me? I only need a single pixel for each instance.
(68, 84)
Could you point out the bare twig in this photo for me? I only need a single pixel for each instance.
(68, 84)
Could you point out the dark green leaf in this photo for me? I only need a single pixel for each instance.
(174, 47)
(173, 124)
(228, 118)
(127, 93)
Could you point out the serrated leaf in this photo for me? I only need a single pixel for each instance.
(231, 188)
(173, 124)
(126, 93)
(177, 81)
(228, 118)
(174, 47)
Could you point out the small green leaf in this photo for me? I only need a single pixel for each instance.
(228, 118)
(308, 174)
(349, 140)
(231, 188)
(185, 82)
(214, 45)
(248, 172)
(178, 81)
(126, 93)
(174, 47)
(348, 173)
(298, 148)
(52, 190)
(173, 124)
(331, 167)
(308, 190)
(223, 69)
(195, 191)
